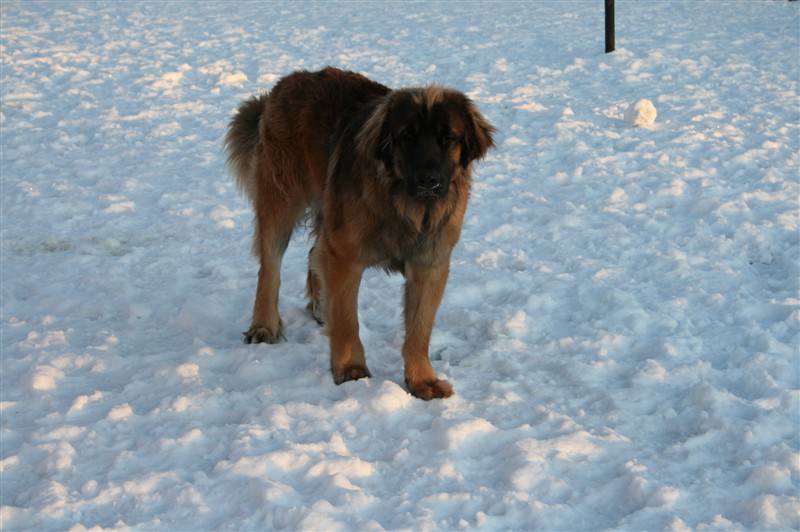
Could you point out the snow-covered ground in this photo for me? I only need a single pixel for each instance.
(621, 325)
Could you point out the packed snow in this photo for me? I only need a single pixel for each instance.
(621, 325)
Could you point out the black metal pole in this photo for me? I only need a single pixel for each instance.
(609, 26)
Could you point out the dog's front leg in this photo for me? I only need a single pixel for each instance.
(342, 278)
(424, 289)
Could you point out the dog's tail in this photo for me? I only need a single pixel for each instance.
(241, 142)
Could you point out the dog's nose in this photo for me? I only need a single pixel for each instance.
(429, 185)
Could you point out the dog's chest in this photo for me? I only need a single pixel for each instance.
(397, 244)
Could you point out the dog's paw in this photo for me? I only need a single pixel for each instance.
(432, 389)
(352, 372)
(263, 335)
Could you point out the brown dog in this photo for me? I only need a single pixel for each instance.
(385, 176)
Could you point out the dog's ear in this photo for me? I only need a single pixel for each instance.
(375, 138)
(385, 144)
(478, 135)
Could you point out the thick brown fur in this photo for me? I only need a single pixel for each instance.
(384, 175)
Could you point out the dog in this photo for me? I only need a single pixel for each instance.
(384, 176)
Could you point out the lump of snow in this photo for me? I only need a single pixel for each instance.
(82, 401)
(188, 372)
(641, 113)
(237, 79)
(120, 413)
(43, 379)
(453, 436)
(391, 398)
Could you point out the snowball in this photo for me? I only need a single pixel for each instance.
(641, 113)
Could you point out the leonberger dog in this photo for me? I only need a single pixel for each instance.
(384, 177)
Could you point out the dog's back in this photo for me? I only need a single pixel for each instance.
(300, 115)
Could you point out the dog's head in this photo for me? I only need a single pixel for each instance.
(425, 137)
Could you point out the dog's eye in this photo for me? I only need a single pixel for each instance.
(407, 136)
(449, 139)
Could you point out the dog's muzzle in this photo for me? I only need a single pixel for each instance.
(429, 186)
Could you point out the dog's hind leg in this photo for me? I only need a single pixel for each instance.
(267, 325)
(314, 292)
(275, 220)
(314, 285)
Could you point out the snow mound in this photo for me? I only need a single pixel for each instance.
(641, 113)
